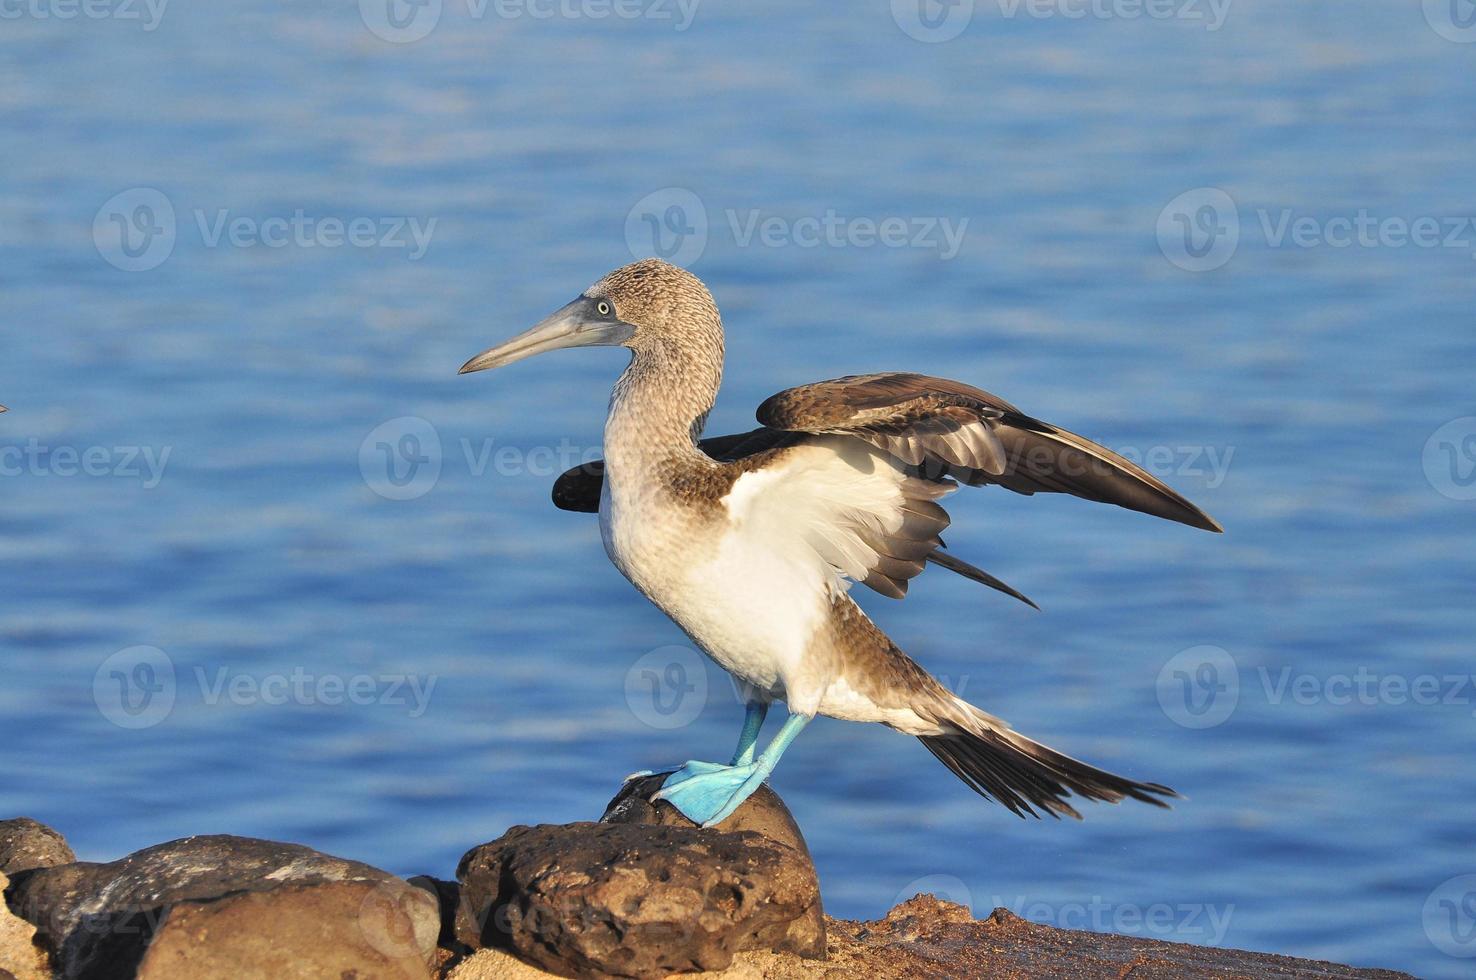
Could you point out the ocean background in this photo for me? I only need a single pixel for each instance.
(271, 568)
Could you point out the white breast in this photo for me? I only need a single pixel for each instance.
(751, 602)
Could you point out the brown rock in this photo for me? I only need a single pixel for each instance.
(763, 813)
(97, 920)
(324, 931)
(20, 957)
(924, 937)
(27, 844)
(631, 900)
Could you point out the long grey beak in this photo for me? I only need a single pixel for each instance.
(580, 324)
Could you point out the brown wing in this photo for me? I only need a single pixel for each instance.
(948, 429)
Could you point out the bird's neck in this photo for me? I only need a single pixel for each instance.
(660, 405)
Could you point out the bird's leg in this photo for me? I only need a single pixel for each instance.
(753, 721)
(708, 795)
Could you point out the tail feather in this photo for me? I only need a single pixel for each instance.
(1024, 776)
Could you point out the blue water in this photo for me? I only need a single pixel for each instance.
(397, 669)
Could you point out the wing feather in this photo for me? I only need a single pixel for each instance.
(949, 429)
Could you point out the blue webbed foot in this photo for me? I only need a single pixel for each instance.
(707, 793)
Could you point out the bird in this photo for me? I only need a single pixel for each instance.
(751, 543)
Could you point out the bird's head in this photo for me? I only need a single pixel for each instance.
(647, 305)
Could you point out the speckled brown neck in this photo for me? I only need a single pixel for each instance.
(657, 412)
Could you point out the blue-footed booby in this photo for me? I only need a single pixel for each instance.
(751, 542)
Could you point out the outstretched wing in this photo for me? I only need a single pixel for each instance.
(946, 429)
(938, 431)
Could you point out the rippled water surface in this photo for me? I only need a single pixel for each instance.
(395, 664)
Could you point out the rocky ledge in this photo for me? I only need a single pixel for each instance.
(640, 893)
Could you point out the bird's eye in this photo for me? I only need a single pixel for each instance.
(603, 307)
